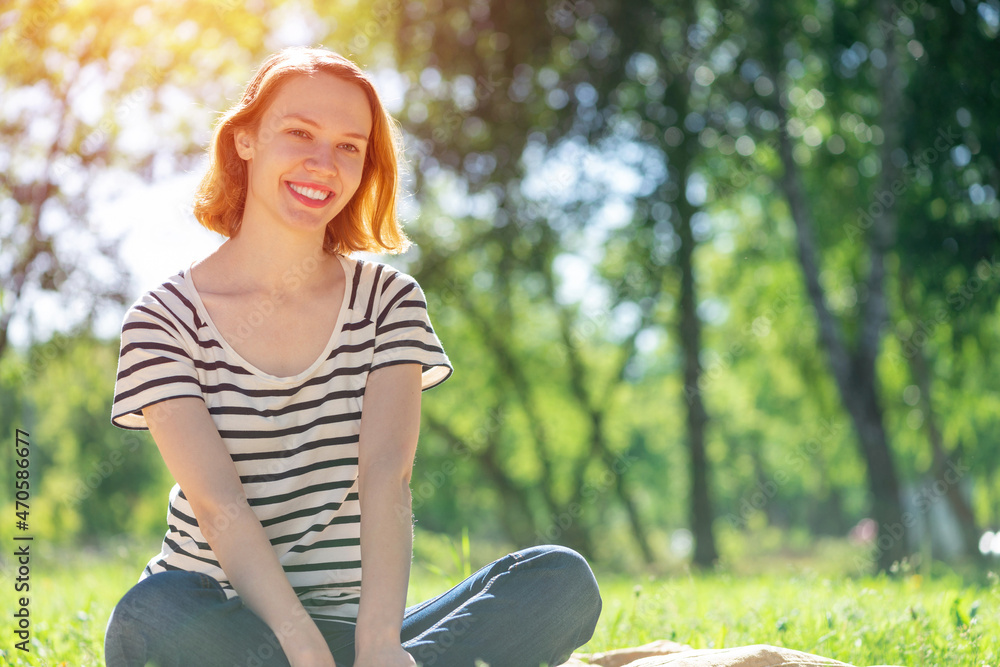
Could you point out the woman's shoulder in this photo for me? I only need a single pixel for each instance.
(377, 288)
(372, 271)
(173, 299)
(370, 276)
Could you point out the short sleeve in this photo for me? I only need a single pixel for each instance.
(153, 364)
(403, 331)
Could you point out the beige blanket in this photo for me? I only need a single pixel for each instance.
(672, 654)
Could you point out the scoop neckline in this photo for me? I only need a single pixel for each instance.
(231, 351)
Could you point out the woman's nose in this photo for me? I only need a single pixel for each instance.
(323, 159)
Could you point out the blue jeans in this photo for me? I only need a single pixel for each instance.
(529, 608)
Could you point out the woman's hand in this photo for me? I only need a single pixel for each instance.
(310, 653)
(384, 655)
(305, 646)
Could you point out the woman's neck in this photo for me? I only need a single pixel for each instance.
(258, 262)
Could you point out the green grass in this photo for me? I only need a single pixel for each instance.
(906, 620)
(870, 621)
(71, 597)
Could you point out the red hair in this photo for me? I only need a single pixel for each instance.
(368, 222)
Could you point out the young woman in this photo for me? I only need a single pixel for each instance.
(281, 381)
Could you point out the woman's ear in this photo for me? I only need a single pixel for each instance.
(244, 143)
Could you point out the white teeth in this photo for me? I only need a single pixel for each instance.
(318, 195)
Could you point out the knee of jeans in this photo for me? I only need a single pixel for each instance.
(146, 607)
(155, 598)
(578, 581)
(124, 638)
(126, 613)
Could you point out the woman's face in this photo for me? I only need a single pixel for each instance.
(305, 160)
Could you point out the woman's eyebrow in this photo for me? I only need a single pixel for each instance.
(309, 121)
(302, 119)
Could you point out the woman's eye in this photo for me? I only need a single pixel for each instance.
(350, 147)
(299, 133)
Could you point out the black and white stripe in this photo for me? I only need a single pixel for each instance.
(294, 440)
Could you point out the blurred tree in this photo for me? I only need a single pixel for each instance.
(852, 366)
(949, 236)
(89, 481)
(485, 129)
(91, 91)
(643, 91)
(877, 104)
(616, 204)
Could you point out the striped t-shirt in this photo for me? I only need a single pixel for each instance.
(294, 440)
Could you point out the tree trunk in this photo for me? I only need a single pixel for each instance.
(855, 371)
(943, 470)
(705, 553)
(855, 378)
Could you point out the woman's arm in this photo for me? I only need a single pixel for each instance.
(390, 424)
(196, 456)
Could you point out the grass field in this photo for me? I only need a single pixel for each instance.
(910, 619)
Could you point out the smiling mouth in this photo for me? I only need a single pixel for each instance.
(311, 193)
(310, 197)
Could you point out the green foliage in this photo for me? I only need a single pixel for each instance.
(544, 142)
(90, 481)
